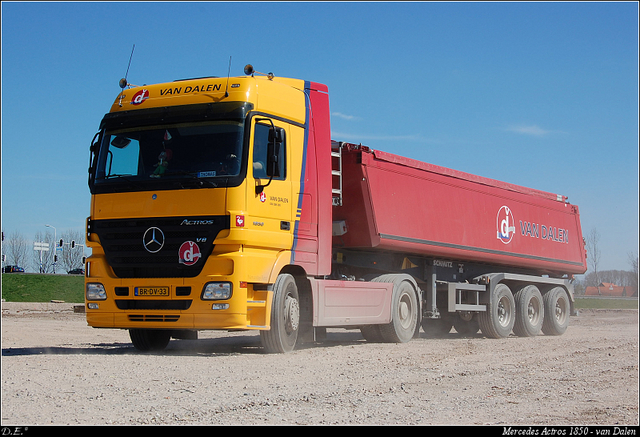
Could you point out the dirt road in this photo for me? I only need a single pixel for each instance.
(57, 370)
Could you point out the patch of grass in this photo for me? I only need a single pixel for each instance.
(606, 303)
(32, 287)
(28, 287)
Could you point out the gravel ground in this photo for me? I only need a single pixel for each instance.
(57, 370)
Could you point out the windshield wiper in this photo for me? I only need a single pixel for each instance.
(124, 177)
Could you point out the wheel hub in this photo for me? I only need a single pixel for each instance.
(291, 314)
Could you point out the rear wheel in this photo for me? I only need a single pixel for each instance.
(285, 317)
(148, 340)
(466, 323)
(371, 333)
(404, 310)
(557, 308)
(435, 328)
(529, 312)
(498, 320)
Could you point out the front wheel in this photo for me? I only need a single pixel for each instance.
(285, 317)
(149, 340)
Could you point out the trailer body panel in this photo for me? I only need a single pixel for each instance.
(396, 204)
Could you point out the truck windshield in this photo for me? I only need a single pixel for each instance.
(185, 155)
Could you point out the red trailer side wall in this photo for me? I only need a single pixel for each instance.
(398, 204)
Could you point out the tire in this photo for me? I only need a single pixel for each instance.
(404, 310)
(149, 340)
(466, 324)
(498, 320)
(435, 328)
(529, 312)
(285, 317)
(557, 308)
(371, 333)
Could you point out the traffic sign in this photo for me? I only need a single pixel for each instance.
(40, 246)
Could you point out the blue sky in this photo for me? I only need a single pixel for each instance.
(538, 94)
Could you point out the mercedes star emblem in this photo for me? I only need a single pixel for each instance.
(153, 240)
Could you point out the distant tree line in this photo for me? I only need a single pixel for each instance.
(623, 278)
(595, 276)
(18, 250)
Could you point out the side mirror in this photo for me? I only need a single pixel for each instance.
(93, 156)
(275, 156)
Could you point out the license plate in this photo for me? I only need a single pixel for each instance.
(151, 291)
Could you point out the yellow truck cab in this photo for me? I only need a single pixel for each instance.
(198, 191)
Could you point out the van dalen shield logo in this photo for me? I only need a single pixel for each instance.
(189, 253)
(506, 225)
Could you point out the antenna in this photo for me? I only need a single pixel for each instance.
(123, 82)
(226, 91)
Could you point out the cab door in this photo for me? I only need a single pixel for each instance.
(269, 196)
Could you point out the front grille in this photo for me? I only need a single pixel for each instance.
(144, 304)
(153, 318)
(125, 250)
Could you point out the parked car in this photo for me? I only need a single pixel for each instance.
(12, 269)
(76, 272)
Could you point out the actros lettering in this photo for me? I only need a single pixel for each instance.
(186, 222)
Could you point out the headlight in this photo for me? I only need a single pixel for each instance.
(96, 292)
(216, 291)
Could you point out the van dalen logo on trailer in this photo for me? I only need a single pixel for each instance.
(506, 225)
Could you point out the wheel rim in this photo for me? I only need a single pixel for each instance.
(534, 310)
(504, 312)
(404, 311)
(561, 311)
(291, 314)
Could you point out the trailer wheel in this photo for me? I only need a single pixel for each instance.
(285, 317)
(404, 310)
(497, 321)
(435, 328)
(529, 312)
(148, 340)
(466, 324)
(556, 307)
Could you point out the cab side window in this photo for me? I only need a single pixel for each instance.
(265, 154)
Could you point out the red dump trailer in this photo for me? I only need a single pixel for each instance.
(483, 254)
(400, 204)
